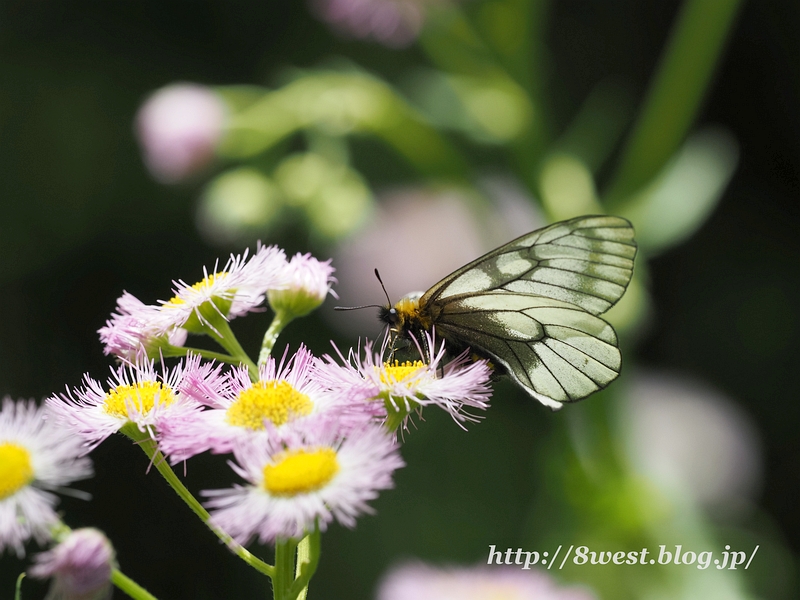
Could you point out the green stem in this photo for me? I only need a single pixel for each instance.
(675, 93)
(18, 587)
(308, 552)
(129, 586)
(393, 420)
(284, 568)
(279, 323)
(150, 448)
(219, 329)
(218, 356)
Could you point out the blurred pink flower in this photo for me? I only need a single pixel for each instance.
(178, 128)
(693, 440)
(393, 23)
(80, 566)
(37, 457)
(418, 581)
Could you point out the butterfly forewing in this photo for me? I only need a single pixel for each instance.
(587, 262)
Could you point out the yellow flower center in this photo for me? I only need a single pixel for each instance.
(16, 470)
(141, 396)
(392, 373)
(199, 287)
(300, 471)
(277, 401)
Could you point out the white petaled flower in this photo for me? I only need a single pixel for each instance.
(286, 394)
(312, 475)
(179, 128)
(308, 282)
(132, 330)
(418, 581)
(80, 566)
(238, 288)
(404, 388)
(36, 457)
(136, 394)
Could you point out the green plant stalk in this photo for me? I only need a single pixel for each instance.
(284, 568)
(18, 587)
(150, 448)
(211, 355)
(220, 330)
(675, 94)
(308, 553)
(129, 586)
(279, 322)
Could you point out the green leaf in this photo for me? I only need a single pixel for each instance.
(679, 200)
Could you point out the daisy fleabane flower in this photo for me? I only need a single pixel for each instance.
(233, 291)
(36, 456)
(80, 566)
(308, 283)
(308, 476)
(237, 408)
(133, 330)
(136, 394)
(418, 581)
(406, 387)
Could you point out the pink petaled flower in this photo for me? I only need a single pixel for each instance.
(406, 387)
(237, 289)
(179, 127)
(36, 456)
(308, 283)
(132, 330)
(418, 581)
(285, 394)
(80, 566)
(306, 476)
(136, 394)
(394, 23)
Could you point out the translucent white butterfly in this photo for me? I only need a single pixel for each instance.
(531, 307)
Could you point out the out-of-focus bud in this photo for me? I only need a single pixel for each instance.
(179, 127)
(80, 566)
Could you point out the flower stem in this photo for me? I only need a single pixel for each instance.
(308, 551)
(129, 586)
(219, 329)
(150, 448)
(279, 323)
(284, 568)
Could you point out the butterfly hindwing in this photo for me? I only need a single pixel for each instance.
(556, 351)
(586, 261)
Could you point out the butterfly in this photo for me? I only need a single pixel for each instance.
(531, 307)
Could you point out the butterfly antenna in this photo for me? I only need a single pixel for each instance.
(378, 275)
(368, 305)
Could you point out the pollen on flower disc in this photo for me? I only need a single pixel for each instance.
(199, 287)
(397, 371)
(141, 396)
(300, 471)
(16, 470)
(277, 401)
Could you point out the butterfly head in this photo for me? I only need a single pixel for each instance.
(404, 315)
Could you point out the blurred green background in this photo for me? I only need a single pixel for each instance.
(568, 87)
